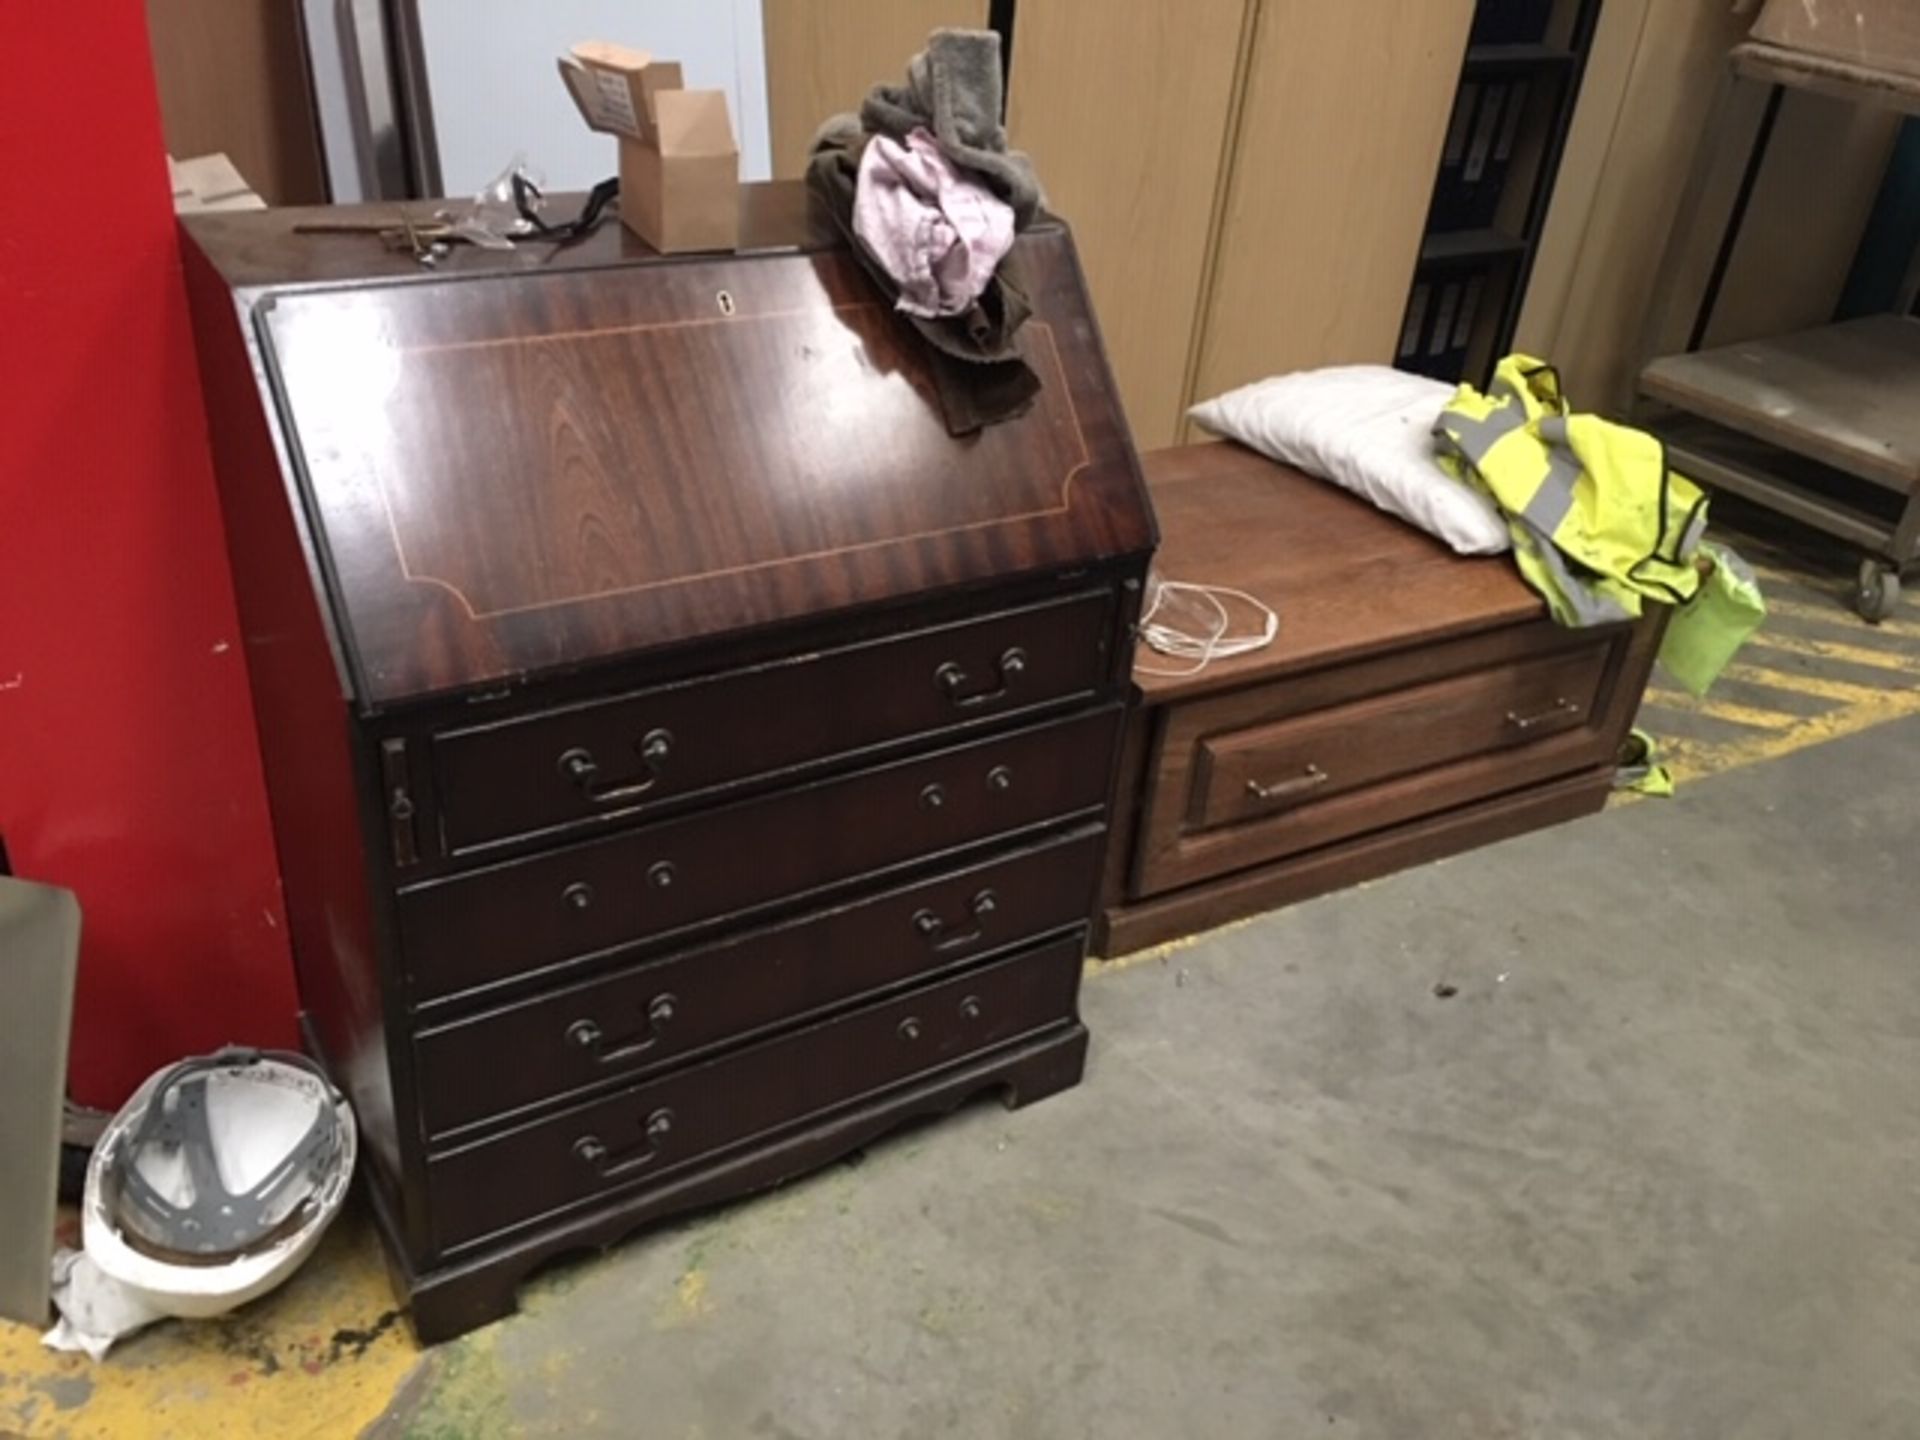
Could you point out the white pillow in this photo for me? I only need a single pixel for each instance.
(1368, 429)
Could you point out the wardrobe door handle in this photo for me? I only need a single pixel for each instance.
(957, 685)
(595, 1154)
(580, 766)
(588, 1036)
(1562, 709)
(1312, 779)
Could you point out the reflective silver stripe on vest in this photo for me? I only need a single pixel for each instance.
(1588, 606)
(1553, 501)
(1696, 532)
(1475, 439)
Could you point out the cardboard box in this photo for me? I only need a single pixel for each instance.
(210, 182)
(1874, 34)
(679, 164)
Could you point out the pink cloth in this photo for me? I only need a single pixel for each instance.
(937, 233)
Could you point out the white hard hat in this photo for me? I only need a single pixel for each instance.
(217, 1179)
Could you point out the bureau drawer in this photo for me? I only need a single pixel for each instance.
(510, 919)
(615, 756)
(654, 1014)
(651, 1129)
(1229, 795)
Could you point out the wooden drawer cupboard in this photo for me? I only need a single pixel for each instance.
(687, 761)
(1415, 703)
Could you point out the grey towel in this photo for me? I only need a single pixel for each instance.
(953, 89)
(976, 364)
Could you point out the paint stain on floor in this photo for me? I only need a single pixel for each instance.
(321, 1357)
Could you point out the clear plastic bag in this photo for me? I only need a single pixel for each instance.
(492, 219)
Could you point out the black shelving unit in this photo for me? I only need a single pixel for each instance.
(1519, 81)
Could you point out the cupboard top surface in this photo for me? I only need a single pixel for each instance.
(1346, 579)
(509, 474)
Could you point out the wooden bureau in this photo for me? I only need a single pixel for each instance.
(1414, 704)
(687, 760)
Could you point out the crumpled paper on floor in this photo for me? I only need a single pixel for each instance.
(95, 1309)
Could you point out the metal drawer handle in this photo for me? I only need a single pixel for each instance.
(1313, 779)
(953, 681)
(588, 1036)
(608, 1166)
(579, 766)
(933, 929)
(1563, 709)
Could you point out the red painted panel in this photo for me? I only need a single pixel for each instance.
(129, 768)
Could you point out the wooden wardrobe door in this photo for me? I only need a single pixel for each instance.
(1339, 140)
(824, 55)
(1127, 125)
(233, 78)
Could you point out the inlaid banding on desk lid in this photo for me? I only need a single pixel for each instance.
(568, 463)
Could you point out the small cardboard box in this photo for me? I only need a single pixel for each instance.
(679, 165)
(1876, 34)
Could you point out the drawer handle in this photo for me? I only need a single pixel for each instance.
(609, 1166)
(933, 929)
(1563, 709)
(588, 1036)
(1313, 779)
(579, 766)
(953, 681)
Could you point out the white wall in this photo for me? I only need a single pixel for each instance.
(495, 92)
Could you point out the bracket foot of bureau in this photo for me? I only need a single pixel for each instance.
(467, 1293)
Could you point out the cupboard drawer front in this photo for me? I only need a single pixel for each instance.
(1232, 795)
(1250, 774)
(510, 919)
(641, 1019)
(651, 1129)
(617, 756)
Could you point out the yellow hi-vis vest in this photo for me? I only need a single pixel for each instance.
(1598, 520)
(1599, 523)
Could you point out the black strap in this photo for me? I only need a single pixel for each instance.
(526, 196)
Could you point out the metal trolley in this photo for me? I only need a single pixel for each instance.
(1822, 426)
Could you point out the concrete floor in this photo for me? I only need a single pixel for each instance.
(1651, 1171)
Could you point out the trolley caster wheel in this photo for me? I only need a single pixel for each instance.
(1878, 595)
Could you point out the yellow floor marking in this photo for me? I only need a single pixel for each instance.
(1693, 760)
(1756, 669)
(1895, 660)
(1723, 710)
(1898, 625)
(320, 1357)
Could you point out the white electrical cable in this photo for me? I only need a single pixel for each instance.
(1201, 649)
